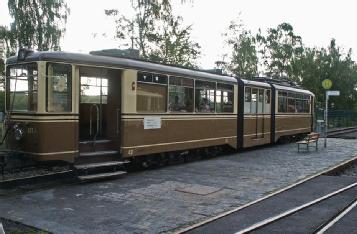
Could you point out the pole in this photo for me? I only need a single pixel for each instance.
(326, 123)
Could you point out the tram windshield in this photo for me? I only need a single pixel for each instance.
(22, 83)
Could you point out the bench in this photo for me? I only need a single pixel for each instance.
(312, 137)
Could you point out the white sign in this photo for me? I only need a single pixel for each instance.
(151, 122)
(333, 93)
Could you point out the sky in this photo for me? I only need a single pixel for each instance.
(316, 21)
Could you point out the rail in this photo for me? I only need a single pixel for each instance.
(292, 211)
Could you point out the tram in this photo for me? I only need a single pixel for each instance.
(61, 106)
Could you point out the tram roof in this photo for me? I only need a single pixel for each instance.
(286, 88)
(116, 62)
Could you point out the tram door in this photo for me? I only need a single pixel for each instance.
(258, 111)
(99, 109)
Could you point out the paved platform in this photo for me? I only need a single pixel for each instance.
(169, 198)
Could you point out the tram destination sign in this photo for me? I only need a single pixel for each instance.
(333, 93)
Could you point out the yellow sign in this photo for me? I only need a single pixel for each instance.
(327, 84)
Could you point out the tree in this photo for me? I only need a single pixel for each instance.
(330, 63)
(174, 45)
(244, 60)
(156, 32)
(36, 24)
(281, 50)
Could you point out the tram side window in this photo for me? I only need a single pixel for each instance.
(306, 104)
(22, 84)
(253, 108)
(293, 102)
(267, 102)
(205, 96)
(94, 90)
(59, 87)
(224, 98)
(180, 94)
(282, 102)
(247, 100)
(151, 93)
(260, 101)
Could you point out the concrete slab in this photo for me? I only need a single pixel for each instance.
(197, 189)
(149, 201)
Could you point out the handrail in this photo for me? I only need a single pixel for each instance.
(91, 120)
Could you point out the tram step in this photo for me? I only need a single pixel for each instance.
(97, 165)
(98, 153)
(101, 176)
(98, 145)
(103, 141)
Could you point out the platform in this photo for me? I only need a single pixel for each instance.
(166, 199)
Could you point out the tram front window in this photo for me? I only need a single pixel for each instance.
(22, 87)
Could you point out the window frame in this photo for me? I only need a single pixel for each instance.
(223, 89)
(185, 87)
(296, 97)
(151, 83)
(214, 95)
(47, 87)
(8, 104)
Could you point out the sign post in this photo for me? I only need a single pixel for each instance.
(326, 118)
(328, 94)
(326, 84)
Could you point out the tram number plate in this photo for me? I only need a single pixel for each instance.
(152, 122)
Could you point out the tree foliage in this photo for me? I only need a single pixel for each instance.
(280, 51)
(156, 32)
(282, 54)
(174, 45)
(243, 59)
(330, 63)
(36, 24)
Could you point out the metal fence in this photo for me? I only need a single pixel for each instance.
(338, 118)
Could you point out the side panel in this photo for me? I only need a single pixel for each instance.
(47, 137)
(177, 133)
(292, 124)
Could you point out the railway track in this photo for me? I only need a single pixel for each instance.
(341, 131)
(271, 220)
(266, 216)
(328, 225)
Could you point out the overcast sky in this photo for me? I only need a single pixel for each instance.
(316, 21)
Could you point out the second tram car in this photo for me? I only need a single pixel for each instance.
(62, 106)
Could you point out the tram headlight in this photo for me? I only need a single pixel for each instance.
(18, 132)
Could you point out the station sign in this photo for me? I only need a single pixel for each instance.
(327, 84)
(333, 93)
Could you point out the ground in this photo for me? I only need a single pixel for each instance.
(166, 199)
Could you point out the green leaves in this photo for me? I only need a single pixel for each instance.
(157, 33)
(330, 63)
(36, 24)
(244, 60)
(280, 51)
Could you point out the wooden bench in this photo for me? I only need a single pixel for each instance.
(310, 138)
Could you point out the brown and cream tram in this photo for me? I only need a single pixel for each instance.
(58, 103)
